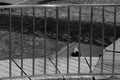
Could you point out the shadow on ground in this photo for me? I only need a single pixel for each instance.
(29, 47)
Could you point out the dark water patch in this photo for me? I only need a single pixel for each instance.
(5, 3)
(62, 28)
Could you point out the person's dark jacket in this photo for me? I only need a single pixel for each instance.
(75, 54)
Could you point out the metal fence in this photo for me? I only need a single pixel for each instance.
(10, 11)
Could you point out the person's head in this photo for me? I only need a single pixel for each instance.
(75, 50)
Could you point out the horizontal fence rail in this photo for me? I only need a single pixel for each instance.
(60, 5)
(37, 33)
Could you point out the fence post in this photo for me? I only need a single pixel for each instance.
(10, 43)
(114, 38)
(103, 31)
(91, 35)
(57, 19)
(68, 32)
(79, 44)
(45, 24)
(21, 41)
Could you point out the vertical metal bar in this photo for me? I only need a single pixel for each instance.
(103, 21)
(45, 17)
(20, 68)
(68, 40)
(33, 54)
(21, 41)
(79, 44)
(10, 43)
(91, 35)
(114, 38)
(56, 39)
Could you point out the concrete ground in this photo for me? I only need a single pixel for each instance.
(108, 62)
(50, 68)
